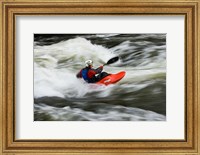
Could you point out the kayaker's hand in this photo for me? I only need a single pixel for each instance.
(101, 67)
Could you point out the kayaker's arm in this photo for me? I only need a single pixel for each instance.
(79, 75)
(93, 72)
(99, 69)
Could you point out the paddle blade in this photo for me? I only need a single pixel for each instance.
(112, 60)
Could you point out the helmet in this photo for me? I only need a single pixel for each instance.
(88, 63)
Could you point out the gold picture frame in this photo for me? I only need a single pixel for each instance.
(11, 8)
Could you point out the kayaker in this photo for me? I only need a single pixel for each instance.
(90, 74)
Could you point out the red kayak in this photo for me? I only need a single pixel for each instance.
(112, 78)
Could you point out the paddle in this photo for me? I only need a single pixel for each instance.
(112, 60)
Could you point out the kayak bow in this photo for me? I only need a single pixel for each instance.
(112, 78)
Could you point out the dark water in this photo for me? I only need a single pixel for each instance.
(139, 96)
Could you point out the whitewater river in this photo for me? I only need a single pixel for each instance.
(139, 96)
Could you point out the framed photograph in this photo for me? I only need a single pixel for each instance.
(99, 77)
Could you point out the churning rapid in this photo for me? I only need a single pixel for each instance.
(60, 96)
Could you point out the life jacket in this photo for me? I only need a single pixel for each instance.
(84, 73)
